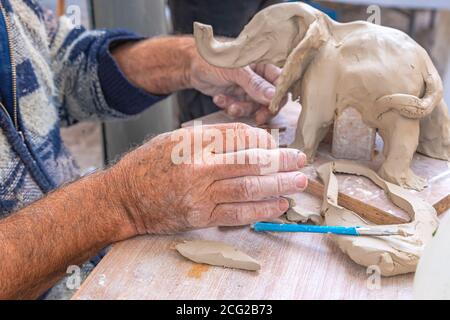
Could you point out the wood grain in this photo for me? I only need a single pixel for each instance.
(442, 205)
(365, 210)
(300, 266)
(60, 8)
(368, 211)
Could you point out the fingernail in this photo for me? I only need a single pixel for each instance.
(301, 162)
(283, 205)
(219, 100)
(260, 119)
(269, 93)
(301, 181)
(234, 111)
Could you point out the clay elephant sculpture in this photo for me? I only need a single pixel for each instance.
(380, 71)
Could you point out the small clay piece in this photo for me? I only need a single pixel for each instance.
(392, 254)
(217, 254)
(297, 214)
(381, 72)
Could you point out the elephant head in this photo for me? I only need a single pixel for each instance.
(268, 38)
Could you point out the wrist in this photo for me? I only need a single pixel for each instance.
(158, 65)
(190, 60)
(110, 201)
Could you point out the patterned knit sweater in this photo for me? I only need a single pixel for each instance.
(53, 75)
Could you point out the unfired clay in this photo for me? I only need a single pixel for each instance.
(379, 71)
(297, 214)
(217, 254)
(392, 254)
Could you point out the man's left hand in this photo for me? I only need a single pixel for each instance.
(168, 64)
(240, 92)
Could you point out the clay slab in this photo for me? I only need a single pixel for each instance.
(217, 254)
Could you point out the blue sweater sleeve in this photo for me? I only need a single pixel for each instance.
(90, 84)
(121, 94)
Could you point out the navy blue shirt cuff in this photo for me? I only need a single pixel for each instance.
(119, 92)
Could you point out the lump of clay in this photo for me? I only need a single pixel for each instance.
(297, 214)
(381, 72)
(217, 254)
(392, 254)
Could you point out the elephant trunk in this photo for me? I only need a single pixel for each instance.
(224, 54)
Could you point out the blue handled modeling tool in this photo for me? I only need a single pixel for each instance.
(339, 230)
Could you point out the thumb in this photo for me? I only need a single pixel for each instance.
(256, 87)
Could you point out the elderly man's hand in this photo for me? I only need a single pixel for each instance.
(236, 183)
(240, 92)
(168, 64)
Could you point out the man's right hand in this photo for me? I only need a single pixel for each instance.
(160, 196)
(147, 192)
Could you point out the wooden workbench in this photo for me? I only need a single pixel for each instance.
(294, 266)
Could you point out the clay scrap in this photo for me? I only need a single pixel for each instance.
(217, 254)
(297, 214)
(392, 254)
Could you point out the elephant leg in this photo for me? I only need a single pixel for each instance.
(434, 140)
(401, 136)
(315, 119)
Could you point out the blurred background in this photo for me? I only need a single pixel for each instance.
(95, 144)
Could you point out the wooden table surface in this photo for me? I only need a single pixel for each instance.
(294, 266)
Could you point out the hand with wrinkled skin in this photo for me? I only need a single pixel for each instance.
(168, 64)
(162, 197)
(240, 92)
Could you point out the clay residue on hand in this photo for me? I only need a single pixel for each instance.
(217, 254)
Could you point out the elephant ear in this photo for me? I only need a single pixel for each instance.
(253, 53)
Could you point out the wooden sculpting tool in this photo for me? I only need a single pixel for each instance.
(338, 230)
(60, 8)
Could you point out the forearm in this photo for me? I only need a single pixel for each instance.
(164, 65)
(160, 65)
(66, 227)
